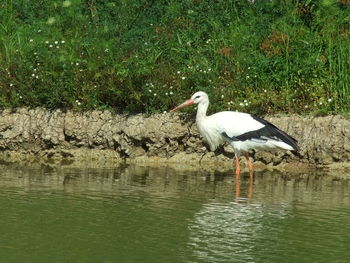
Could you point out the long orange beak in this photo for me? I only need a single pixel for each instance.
(186, 103)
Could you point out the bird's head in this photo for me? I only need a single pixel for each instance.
(196, 98)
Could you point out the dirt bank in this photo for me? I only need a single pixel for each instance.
(104, 138)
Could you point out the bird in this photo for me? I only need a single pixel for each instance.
(243, 131)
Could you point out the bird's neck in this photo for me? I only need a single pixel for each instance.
(202, 110)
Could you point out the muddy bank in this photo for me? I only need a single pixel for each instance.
(102, 138)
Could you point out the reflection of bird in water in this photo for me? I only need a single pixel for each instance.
(242, 131)
(249, 190)
(231, 231)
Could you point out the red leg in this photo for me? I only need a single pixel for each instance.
(238, 187)
(238, 172)
(250, 165)
(238, 167)
(250, 187)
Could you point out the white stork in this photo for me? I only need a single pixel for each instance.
(242, 131)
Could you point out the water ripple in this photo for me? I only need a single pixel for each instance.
(161, 215)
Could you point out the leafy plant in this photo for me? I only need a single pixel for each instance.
(146, 56)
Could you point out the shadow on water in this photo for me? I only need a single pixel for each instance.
(163, 214)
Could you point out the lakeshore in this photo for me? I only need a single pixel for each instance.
(103, 138)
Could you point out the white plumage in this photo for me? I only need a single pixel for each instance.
(242, 131)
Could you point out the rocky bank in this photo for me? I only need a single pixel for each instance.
(104, 138)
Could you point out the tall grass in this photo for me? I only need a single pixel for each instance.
(146, 56)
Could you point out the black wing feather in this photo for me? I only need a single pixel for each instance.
(268, 131)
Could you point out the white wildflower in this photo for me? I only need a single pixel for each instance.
(67, 3)
(51, 20)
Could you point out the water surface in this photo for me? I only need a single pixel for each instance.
(144, 214)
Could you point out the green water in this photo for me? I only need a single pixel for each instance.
(138, 214)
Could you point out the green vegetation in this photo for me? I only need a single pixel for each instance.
(147, 56)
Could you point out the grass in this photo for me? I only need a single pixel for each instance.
(147, 56)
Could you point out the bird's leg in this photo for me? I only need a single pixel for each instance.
(250, 165)
(238, 187)
(238, 172)
(250, 187)
(238, 167)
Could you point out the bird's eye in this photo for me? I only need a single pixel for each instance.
(197, 97)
